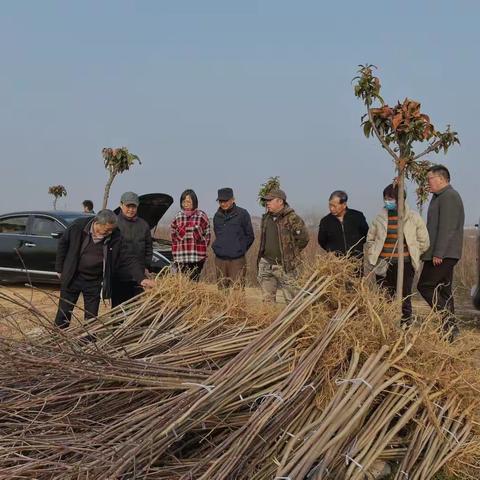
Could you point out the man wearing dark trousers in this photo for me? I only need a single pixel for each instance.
(445, 223)
(89, 255)
(233, 237)
(138, 239)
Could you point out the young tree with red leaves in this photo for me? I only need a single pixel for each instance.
(398, 130)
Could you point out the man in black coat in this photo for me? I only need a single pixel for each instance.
(89, 255)
(138, 239)
(343, 230)
(233, 237)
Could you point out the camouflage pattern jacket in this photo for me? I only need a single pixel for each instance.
(293, 236)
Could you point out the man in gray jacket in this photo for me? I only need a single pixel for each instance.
(138, 239)
(445, 222)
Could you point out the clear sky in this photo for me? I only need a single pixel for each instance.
(226, 93)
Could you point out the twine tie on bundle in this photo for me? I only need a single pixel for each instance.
(451, 433)
(353, 381)
(208, 388)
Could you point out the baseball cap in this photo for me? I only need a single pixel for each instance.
(275, 194)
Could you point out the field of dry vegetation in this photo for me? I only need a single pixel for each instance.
(465, 271)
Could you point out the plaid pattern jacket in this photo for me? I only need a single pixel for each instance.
(190, 237)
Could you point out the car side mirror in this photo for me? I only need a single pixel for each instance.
(56, 234)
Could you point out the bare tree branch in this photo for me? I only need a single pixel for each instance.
(431, 148)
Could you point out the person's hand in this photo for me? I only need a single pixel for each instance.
(437, 261)
(147, 283)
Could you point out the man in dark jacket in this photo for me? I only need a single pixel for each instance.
(343, 230)
(89, 255)
(283, 237)
(138, 239)
(445, 223)
(233, 237)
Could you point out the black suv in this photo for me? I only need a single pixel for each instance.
(28, 240)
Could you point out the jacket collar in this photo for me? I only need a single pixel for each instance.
(347, 214)
(134, 219)
(88, 226)
(285, 211)
(230, 211)
(444, 189)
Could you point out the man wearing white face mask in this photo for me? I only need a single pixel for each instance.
(382, 249)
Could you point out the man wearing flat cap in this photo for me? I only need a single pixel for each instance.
(233, 237)
(138, 240)
(283, 237)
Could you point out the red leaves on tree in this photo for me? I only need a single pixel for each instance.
(406, 118)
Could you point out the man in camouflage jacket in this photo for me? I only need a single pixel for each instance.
(283, 237)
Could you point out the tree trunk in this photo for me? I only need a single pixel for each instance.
(55, 203)
(107, 190)
(401, 221)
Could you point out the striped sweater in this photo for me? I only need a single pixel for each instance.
(390, 248)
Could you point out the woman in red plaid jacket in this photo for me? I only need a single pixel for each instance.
(190, 231)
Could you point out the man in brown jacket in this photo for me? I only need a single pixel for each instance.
(283, 237)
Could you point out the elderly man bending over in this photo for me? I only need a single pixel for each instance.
(89, 255)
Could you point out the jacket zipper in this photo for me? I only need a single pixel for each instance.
(280, 243)
(344, 239)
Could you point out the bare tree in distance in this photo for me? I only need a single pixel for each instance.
(57, 191)
(399, 129)
(116, 161)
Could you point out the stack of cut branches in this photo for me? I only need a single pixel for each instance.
(185, 382)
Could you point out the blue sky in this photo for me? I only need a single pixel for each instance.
(222, 93)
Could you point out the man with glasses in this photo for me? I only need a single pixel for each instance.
(233, 237)
(445, 223)
(89, 255)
